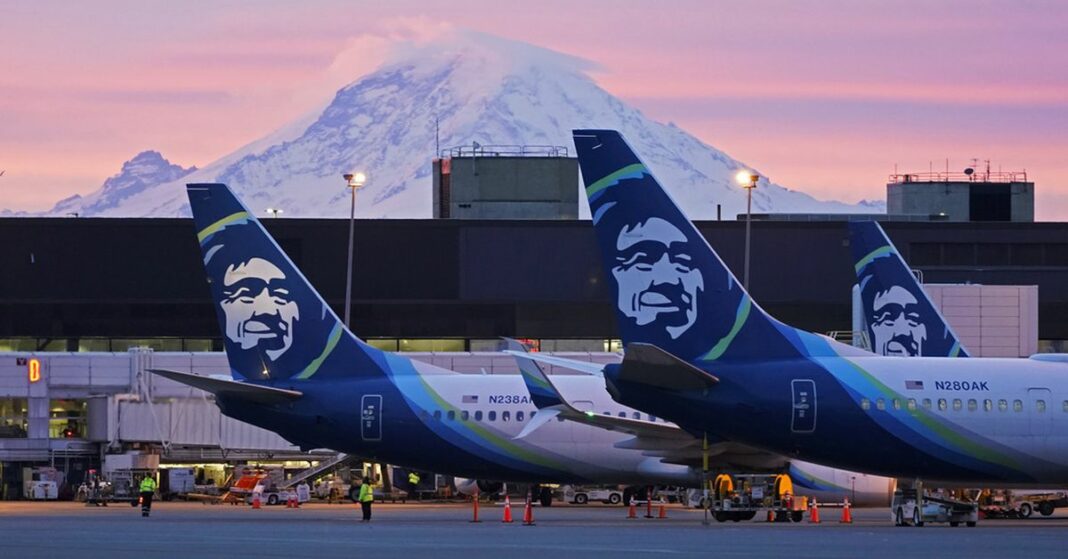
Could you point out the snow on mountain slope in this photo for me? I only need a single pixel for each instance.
(478, 88)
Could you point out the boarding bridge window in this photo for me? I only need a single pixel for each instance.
(478, 415)
(911, 404)
(451, 415)
(896, 403)
(465, 415)
(880, 404)
(942, 405)
(926, 403)
(66, 419)
(957, 404)
(1040, 406)
(519, 416)
(865, 404)
(972, 404)
(1017, 405)
(437, 414)
(988, 405)
(13, 418)
(1003, 405)
(506, 415)
(492, 416)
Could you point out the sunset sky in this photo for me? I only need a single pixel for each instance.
(822, 96)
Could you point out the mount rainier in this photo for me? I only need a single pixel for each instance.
(469, 87)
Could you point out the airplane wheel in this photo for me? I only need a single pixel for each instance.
(581, 499)
(721, 516)
(1025, 510)
(797, 516)
(917, 519)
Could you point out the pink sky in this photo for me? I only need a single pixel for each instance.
(825, 97)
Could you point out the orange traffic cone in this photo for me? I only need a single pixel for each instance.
(771, 516)
(814, 513)
(528, 514)
(256, 500)
(632, 512)
(474, 509)
(847, 514)
(663, 510)
(507, 510)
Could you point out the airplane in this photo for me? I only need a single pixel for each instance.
(298, 371)
(715, 363)
(668, 442)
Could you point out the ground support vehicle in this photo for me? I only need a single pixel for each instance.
(912, 507)
(582, 495)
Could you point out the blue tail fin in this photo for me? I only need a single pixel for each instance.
(275, 325)
(898, 314)
(670, 288)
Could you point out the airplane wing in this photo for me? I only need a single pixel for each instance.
(232, 389)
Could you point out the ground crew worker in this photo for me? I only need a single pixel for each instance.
(367, 496)
(148, 489)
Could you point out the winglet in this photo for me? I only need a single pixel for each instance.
(542, 393)
(232, 389)
(648, 364)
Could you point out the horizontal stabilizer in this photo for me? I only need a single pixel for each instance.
(650, 365)
(1051, 357)
(232, 389)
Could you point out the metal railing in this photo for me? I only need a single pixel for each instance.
(479, 150)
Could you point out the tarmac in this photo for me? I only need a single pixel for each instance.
(178, 529)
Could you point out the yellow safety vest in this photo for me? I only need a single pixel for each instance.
(367, 494)
(148, 485)
(413, 478)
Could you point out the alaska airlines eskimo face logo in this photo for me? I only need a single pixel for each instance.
(655, 276)
(258, 307)
(896, 323)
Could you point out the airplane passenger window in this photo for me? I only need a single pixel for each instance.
(492, 416)
(623, 414)
(608, 413)
(1017, 405)
(465, 415)
(1064, 405)
(506, 415)
(880, 404)
(451, 415)
(972, 404)
(637, 415)
(912, 404)
(653, 417)
(478, 415)
(1003, 405)
(437, 414)
(865, 404)
(896, 403)
(942, 404)
(1040, 405)
(957, 404)
(926, 403)
(519, 416)
(988, 405)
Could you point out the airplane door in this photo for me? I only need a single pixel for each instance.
(1039, 414)
(371, 417)
(804, 406)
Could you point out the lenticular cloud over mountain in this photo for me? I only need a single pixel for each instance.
(465, 87)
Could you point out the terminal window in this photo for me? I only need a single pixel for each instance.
(13, 418)
(67, 419)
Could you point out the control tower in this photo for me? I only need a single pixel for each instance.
(970, 195)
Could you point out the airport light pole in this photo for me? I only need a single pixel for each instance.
(353, 181)
(748, 180)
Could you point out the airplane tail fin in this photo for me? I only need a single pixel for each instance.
(670, 288)
(899, 316)
(275, 324)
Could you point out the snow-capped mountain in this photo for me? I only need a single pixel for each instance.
(146, 170)
(476, 88)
